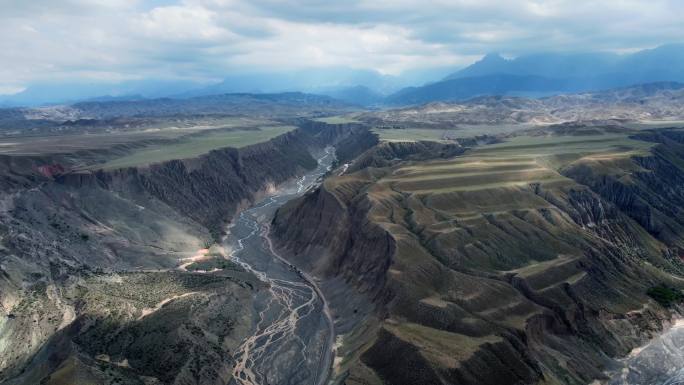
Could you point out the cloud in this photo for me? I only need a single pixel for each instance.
(11, 90)
(182, 25)
(116, 40)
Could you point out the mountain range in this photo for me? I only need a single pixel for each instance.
(550, 73)
(530, 75)
(364, 87)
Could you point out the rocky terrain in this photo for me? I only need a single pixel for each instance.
(124, 116)
(135, 244)
(523, 262)
(658, 362)
(657, 101)
(131, 328)
(90, 290)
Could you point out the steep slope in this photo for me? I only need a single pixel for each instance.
(71, 241)
(495, 267)
(209, 189)
(650, 190)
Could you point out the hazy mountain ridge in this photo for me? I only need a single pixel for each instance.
(645, 101)
(662, 63)
(468, 87)
(109, 115)
(324, 81)
(539, 74)
(652, 101)
(548, 73)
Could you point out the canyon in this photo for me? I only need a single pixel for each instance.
(94, 288)
(532, 258)
(290, 239)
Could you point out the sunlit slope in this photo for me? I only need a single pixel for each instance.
(497, 207)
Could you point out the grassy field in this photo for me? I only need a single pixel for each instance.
(517, 162)
(336, 120)
(193, 146)
(547, 145)
(162, 130)
(559, 151)
(42, 145)
(472, 173)
(444, 134)
(413, 134)
(656, 124)
(456, 200)
(435, 342)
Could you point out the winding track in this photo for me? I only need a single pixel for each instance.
(290, 302)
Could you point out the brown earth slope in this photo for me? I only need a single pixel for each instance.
(526, 262)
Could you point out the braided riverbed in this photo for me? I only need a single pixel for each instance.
(293, 335)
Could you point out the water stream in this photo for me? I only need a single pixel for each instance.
(293, 335)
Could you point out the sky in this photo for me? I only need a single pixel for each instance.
(207, 40)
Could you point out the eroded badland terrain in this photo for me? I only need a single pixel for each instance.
(291, 239)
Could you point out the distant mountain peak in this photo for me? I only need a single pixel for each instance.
(492, 57)
(584, 71)
(490, 63)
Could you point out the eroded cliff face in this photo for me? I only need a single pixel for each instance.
(649, 189)
(387, 153)
(209, 189)
(519, 282)
(351, 139)
(66, 234)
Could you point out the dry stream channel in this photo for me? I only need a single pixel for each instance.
(293, 335)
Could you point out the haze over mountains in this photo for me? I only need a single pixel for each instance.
(530, 75)
(551, 73)
(361, 86)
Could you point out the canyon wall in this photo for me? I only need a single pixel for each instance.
(528, 284)
(68, 236)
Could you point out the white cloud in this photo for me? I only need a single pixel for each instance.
(10, 89)
(51, 40)
(182, 24)
(388, 49)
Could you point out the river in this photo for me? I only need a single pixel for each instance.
(293, 337)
